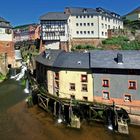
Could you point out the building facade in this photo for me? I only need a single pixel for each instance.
(105, 77)
(54, 31)
(116, 78)
(6, 44)
(26, 32)
(66, 75)
(78, 26)
(133, 15)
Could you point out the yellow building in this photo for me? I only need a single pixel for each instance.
(67, 75)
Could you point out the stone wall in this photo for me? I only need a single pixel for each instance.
(64, 46)
(132, 35)
(88, 41)
(6, 55)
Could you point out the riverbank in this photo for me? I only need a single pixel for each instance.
(135, 119)
(36, 124)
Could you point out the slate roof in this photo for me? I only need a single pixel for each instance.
(4, 23)
(54, 16)
(62, 59)
(48, 57)
(80, 10)
(72, 60)
(99, 10)
(92, 59)
(106, 59)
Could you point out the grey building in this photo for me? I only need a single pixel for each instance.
(116, 77)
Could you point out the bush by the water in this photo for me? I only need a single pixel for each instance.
(2, 77)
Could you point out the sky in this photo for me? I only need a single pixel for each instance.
(20, 12)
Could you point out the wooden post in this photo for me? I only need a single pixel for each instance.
(54, 109)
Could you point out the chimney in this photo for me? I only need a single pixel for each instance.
(119, 58)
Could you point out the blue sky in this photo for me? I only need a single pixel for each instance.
(20, 12)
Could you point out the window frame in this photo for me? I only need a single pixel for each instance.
(106, 91)
(127, 95)
(82, 88)
(108, 83)
(132, 87)
(84, 76)
(72, 85)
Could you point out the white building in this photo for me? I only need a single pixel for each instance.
(6, 33)
(77, 24)
(54, 29)
(92, 23)
(133, 15)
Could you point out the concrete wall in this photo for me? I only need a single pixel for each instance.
(117, 89)
(65, 78)
(5, 36)
(97, 28)
(69, 76)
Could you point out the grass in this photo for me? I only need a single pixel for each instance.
(2, 77)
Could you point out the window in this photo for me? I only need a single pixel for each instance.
(84, 32)
(102, 33)
(84, 16)
(108, 26)
(81, 32)
(56, 76)
(83, 78)
(102, 18)
(76, 16)
(106, 95)
(132, 85)
(88, 24)
(84, 87)
(80, 16)
(85, 98)
(127, 98)
(88, 32)
(80, 24)
(105, 33)
(77, 24)
(72, 97)
(92, 24)
(102, 25)
(105, 83)
(77, 32)
(87, 16)
(92, 32)
(8, 31)
(84, 24)
(72, 86)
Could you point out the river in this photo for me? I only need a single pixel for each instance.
(18, 122)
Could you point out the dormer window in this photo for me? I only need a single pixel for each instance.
(84, 10)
